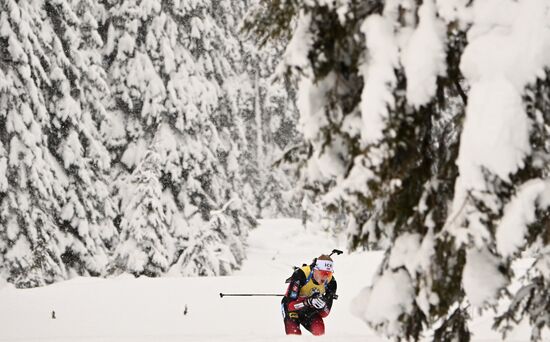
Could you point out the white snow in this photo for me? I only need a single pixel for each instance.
(125, 309)
(453, 10)
(508, 48)
(379, 74)
(152, 309)
(481, 279)
(518, 213)
(134, 153)
(299, 46)
(310, 102)
(391, 296)
(423, 57)
(404, 252)
(496, 132)
(3, 179)
(21, 250)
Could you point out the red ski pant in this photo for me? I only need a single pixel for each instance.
(314, 324)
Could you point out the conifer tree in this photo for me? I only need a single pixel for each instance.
(53, 196)
(147, 245)
(78, 107)
(427, 123)
(270, 121)
(168, 64)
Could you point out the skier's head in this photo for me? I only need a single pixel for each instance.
(322, 271)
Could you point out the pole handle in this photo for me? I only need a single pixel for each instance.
(337, 251)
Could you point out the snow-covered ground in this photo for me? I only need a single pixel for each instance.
(190, 309)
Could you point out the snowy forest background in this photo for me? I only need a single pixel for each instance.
(148, 136)
(136, 137)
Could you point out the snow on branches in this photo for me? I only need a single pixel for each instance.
(426, 120)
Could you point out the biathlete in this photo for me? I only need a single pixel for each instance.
(309, 297)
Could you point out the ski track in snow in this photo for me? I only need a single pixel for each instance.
(125, 309)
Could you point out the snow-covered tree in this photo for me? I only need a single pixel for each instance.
(168, 65)
(270, 131)
(54, 204)
(147, 237)
(428, 121)
(78, 108)
(276, 116)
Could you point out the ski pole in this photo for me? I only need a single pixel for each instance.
(250, 295)
(334, 296)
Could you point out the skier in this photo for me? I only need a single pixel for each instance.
(309, 297)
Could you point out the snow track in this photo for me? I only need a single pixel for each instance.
(170, 309)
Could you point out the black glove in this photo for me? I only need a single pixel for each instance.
(316, 302)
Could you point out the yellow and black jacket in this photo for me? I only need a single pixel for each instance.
(302, 286)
